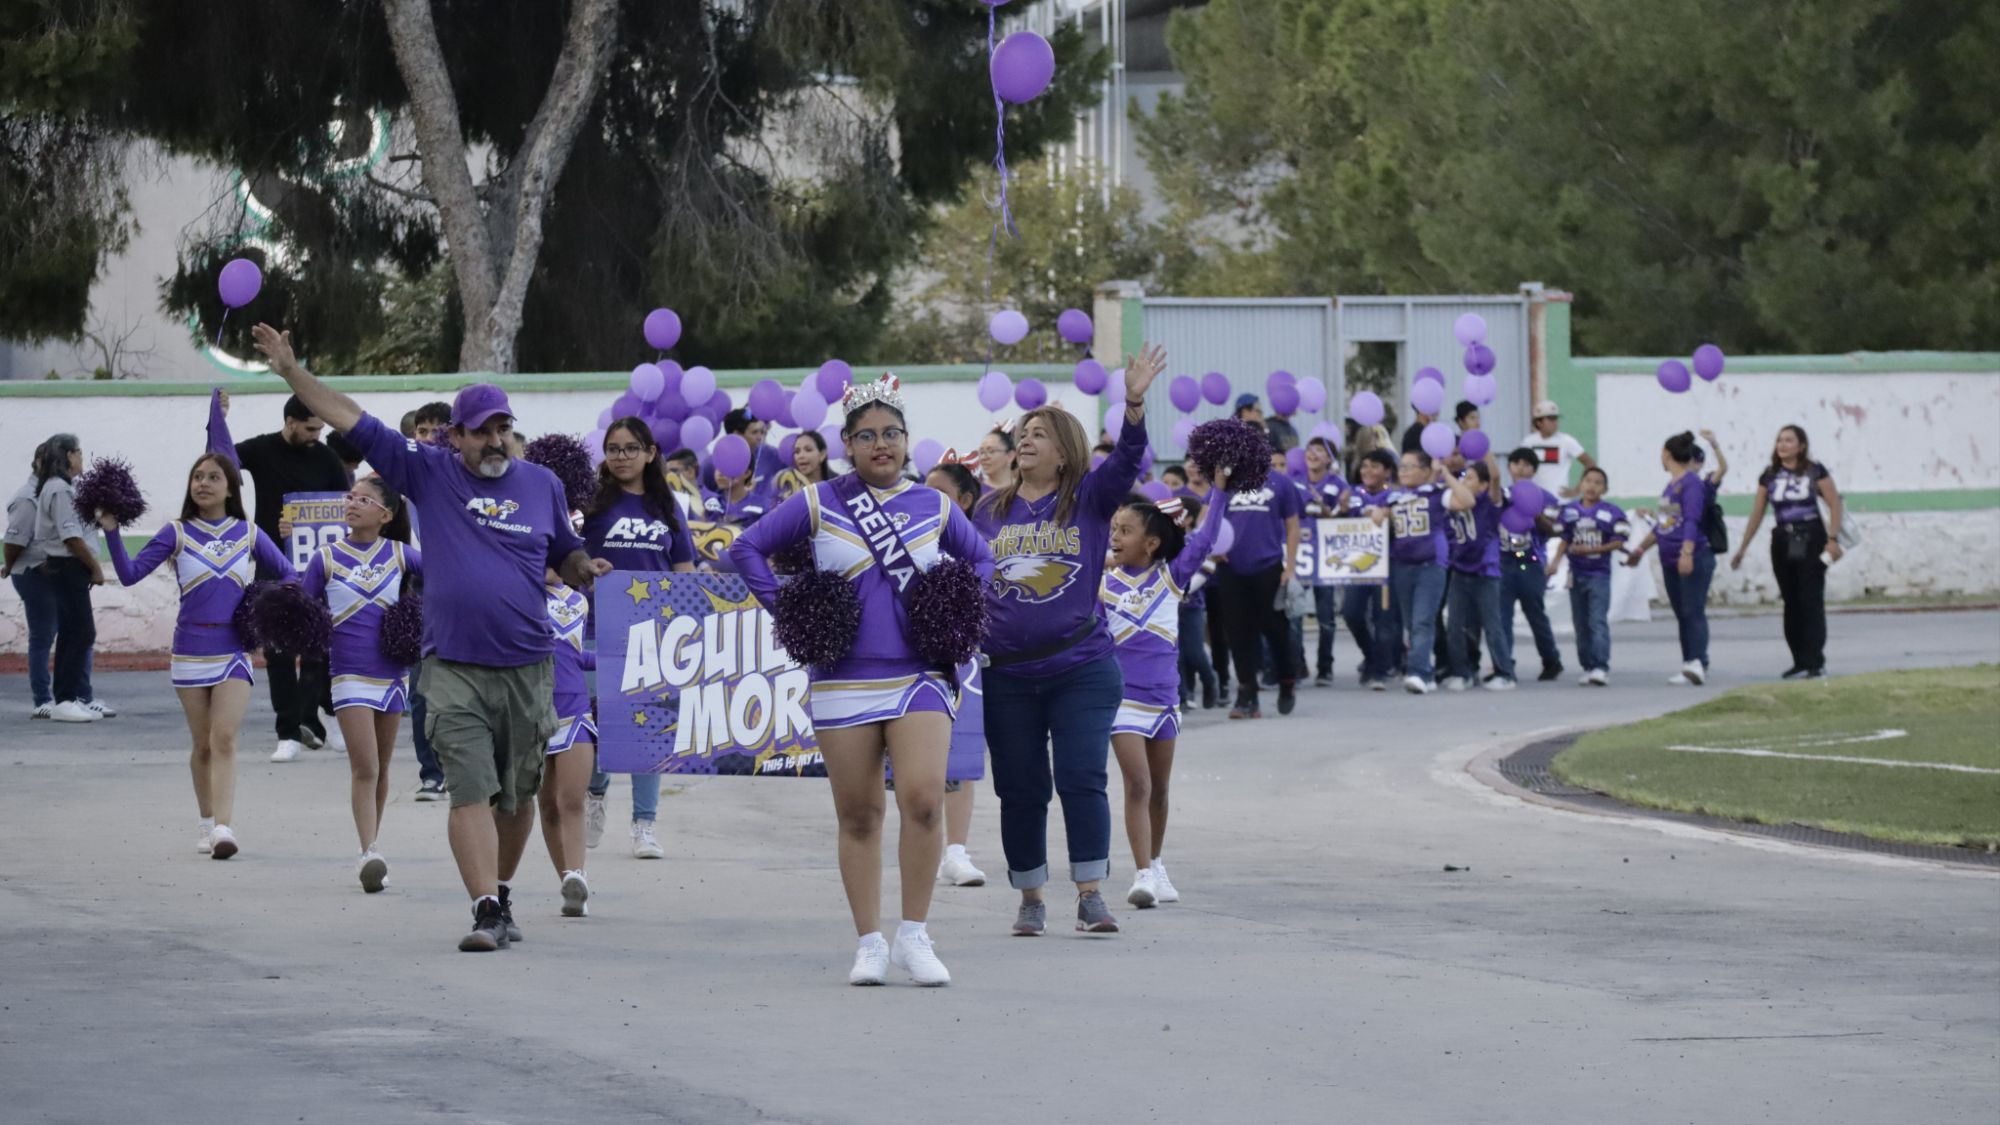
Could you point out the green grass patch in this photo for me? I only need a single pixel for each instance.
(1952, 716)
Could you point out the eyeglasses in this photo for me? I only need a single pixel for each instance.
(626, 450)
(891, 436)
(364, 498)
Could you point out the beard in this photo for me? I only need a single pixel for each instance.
(493, 464)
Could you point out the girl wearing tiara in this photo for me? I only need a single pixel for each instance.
(215, 551)
(1153, 564)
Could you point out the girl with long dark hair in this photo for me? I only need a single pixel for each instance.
(1687, 565)
(54, 573)
(216, 551)
(811, 464)
(996, 459)
(1792, 487)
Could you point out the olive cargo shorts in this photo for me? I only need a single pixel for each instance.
(490, 728)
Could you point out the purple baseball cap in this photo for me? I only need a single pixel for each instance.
(478, 402)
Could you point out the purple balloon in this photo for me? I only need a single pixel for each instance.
(1474, 444)
(671, 374)
(1328, 430)
(1481, 389)
(1528, 495)
(925, 455)
(785, 449)
(731, 457)
(1074, 325)
(1007, 327)
(1426, 397)
(1114, 422)
(719, 402)
(1312, 395)
(1183, 430)
(835, 447)
(1225, 538)
(1090, 376)
(670, 404)
(697, 385)
(1285, 399)
(808, 407)
(834, 377)
(604, 417)
(240, 281)
(666, 433)
(648, 381)
(1520, 521)
(1479, 359)
(1438, 440)
(1295, 460)
(785, 413)
(1155, 490)
(1708, 362)
(1023, 63)
(1365, 408)
(1673, 375)
(767, 399)
(696, 432)
(1279, 378)
(1469, 329)
(1031, 394)
(1431, 373)
(1146, 459)
(1215, 387)
(1184, 393)
(594, 442)
(663, 328)
(627, 405)
(995, 389)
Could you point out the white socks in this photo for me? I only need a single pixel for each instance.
(208, 822)
(953, 849)
(874, 941)
(578, 873)
(908, 928)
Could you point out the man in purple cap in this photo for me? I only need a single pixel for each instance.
(492, 524)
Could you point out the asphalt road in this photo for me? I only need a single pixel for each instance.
(1323, 964)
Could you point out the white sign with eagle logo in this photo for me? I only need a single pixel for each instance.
(1343, 552)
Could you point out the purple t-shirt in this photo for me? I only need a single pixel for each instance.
(629, 537)
(1416, 524)
(1794, 496)
(1475, 537)
(1326, 492)
(1592, 525)
(1259, 515)
(1046, 575)
(487, 544)
(1681, 504)
(744, 512)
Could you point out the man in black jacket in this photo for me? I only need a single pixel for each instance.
(293, 459)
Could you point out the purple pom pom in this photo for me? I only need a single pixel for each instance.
(1237, 446)
(107, 487)
(795, 559)
(244, 619)
(948, 613)
(441, 437)
(816, 617)
(402, 635)
(569, 460)
(287, 619)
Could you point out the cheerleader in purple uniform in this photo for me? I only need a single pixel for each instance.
(215, 550)
(966, 767)
(572, 749)
(1153, 562)
(882, 697)
(359, 577)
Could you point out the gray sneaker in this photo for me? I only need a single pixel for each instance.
(507, 915)
(489, 931)
(1032, 920)
(1091, 915)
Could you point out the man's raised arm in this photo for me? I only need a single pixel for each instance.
(328, 405)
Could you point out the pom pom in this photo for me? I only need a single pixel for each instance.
(107, 487)
(947, 613)
(1229, 444)
(285, 618)
(569, 460)
(816, 617)
(244, 620)
(795, 559)
(402, 635)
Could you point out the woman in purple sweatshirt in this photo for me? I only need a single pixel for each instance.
(215, 551)
(1053, 685)
(882, 697)
(1686, 561)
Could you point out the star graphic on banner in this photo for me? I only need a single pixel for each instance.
(638, 718)
(640, 590)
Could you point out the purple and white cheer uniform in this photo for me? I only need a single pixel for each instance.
(569, 610)
(1143, 608)
(213, 563)
(358, 583)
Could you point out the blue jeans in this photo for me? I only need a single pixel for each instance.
(1529, 586)
(76, 629)
(1326, 600)
(645, 793)
(1689, 597)
(428, 769)
(1590, 610)
(1371, 621)
(1052, 736)
(1418, 589)
(1475, 606)
(39, 601)
(1196, 669)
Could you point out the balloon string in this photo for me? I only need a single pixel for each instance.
(219, 327)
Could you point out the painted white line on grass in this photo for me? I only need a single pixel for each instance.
(1835, 757)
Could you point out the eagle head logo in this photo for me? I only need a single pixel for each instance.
(1035, 578)
(712, 540)
(1357, 561)
(492, 509)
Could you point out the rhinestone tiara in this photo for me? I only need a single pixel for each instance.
(887, 390)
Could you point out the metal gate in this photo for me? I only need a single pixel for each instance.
(1245, 339)
(1422, 329)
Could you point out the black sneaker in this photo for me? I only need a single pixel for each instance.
(1288, 697)
(1324, 679)
(507, 915)
(489, 929)
(1550, 672)
(432, 791)
(1814, 674)
(1208, 697)
(1246, 708)
(1794, 673)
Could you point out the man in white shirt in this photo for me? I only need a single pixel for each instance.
(1554, 450)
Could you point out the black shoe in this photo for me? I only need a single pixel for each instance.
(1814, 674)
(1491, 676)
(1208, 697)
(1550, 672)
(1795, 673)
(1267, 680)
(507, 915)
(1288, 697)
(1246, 708)
(489, 929)
(1324, 679)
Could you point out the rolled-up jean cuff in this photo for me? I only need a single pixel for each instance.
(1090, 872)
(1028, 880)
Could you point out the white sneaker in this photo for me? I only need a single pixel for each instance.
(70, 711)
(288, 750)
(1163, 888)
(1378, 685)
(203, 843)
(871, 962)
(222, 842)
(42, 712)
(957, 868)
(1453, 683)
(373, 871)
(310, 740)
(644, 846)
(1598, 677)
(575, 895)
(593, 820)
(1415, 686)
(1142, 894)
(1694, 671)
(912, 953)
(334, 739)
(1583, 680)
(1501, 683)
(104, 710)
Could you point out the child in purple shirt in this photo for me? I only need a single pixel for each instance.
(1686, 563)
(1415, 513)
(1473, 598)
(1592, 528)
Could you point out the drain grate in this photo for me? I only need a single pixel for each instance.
(1528, 768)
